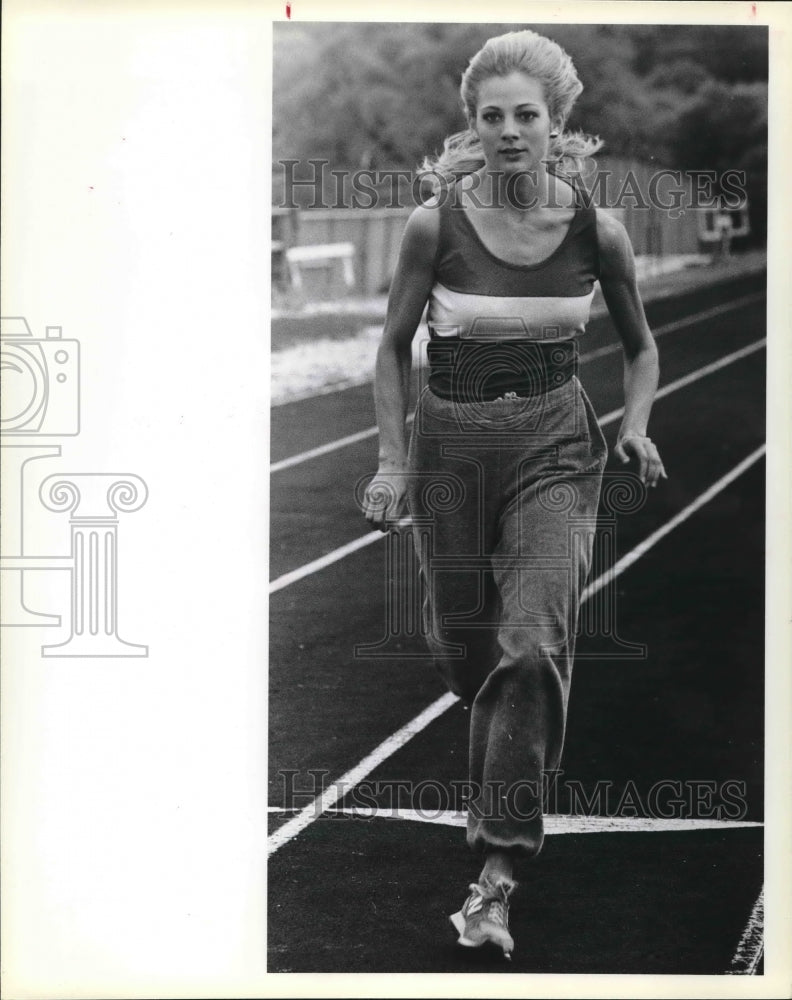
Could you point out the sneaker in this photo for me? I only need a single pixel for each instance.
(484, 918)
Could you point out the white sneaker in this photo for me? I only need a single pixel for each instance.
(484, 917)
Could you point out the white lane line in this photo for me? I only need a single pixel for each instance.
(326, 390)
(325, 560)
(749, 951)
(600, 352)
(324, 449)
(374, 536)
(389, 746)
(678, 324)
(622, 564)
(331, 557)
(554, 824)
(340, 788)
(700, 373)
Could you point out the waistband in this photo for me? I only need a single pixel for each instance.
(465, 371)
(563, 398)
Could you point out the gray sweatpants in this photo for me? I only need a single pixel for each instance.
(503, 497)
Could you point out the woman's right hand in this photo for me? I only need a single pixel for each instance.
(412, 283)
(384, 498)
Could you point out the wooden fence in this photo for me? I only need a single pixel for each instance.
(376, 233)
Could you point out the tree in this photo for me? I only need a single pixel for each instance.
(383, 95)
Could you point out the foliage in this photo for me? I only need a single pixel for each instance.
(382, 95)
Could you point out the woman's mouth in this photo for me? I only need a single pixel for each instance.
(512, 151)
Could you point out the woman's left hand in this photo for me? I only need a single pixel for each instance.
(645, 452)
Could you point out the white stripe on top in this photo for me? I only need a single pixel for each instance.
(493, 317)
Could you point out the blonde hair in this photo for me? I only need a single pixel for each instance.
(538, 57)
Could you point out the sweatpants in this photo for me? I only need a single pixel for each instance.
(503, 496)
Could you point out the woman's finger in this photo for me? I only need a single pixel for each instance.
(376, 520)
(657, 469)
(654, 474)
(382, 502)
(640, 452)
(644, 451)
(620, 452)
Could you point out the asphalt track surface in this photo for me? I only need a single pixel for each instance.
(363, 879)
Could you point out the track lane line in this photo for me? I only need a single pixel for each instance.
(635, 554)
(389, 746)
(374, 536)
(699, 373)
(600, 352)
(555, 824)
(338, 789)
(328, 559)
(751, 947)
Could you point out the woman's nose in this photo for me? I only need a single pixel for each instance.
(509, 127)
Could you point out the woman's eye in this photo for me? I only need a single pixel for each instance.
(491, 117)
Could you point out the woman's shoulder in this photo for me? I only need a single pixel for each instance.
(609, 227)
(615, 249)
(423, 225)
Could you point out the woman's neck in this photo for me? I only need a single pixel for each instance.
(520, 192)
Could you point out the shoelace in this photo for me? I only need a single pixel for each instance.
(493, 908)
(496, 912)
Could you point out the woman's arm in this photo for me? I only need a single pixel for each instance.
(410, 288)
(641, 369)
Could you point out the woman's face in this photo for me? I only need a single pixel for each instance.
(513, 123)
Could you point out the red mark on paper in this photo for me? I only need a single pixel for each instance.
(288, 10)
(753, 9)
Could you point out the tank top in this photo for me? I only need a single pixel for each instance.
(499, 328)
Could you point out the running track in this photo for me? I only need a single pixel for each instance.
(355, 889)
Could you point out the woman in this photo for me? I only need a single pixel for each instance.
(504, 435)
